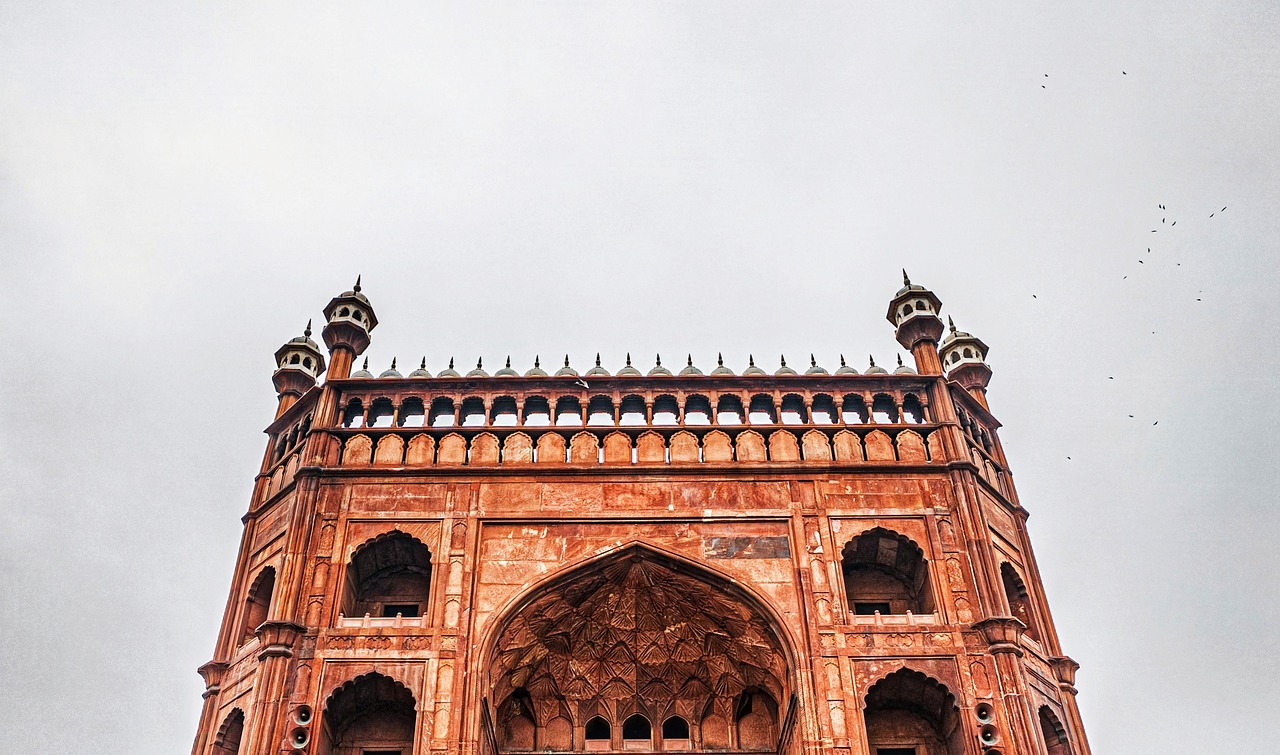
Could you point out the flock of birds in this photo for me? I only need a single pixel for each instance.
(1164, 221)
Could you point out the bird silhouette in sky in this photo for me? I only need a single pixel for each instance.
(582, 383)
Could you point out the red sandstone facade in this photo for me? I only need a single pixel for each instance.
(788, 563)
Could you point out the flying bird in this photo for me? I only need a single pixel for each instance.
(1153, 424)
(1033, 296)
(1173, 224)
(582, 383)
(1124, 73)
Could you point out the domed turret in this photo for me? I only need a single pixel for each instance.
(845, 369)
(784, 369)
(597, 371)
(507, 371)
(873, 369)
(537, 370)
(478, 372)
(628, 371)
(902, 368)
(566, 370)
(914, 312)
(689, 370)
(965, 359)
(720, 368)
(363, 372)
(421, 372)
(814, 369)
(392, 372)
(299, 363)
(449, 372)
(349, 319)
(658, 370)
(752, 369)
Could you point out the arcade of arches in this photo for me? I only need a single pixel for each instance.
(639, 653)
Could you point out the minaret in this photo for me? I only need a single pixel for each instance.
(965, 358)
(914, 312)
(299, 363)
(348, 318)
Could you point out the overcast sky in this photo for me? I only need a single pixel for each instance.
(183, 185)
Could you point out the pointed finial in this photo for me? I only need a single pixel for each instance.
(658, 359)
(508, 361)
(905, 280)
(783, 359)
(842, 363)
(690, 360)
(812, 362)
(628, 358)
(566, 360)
(480, 363)
(356, 288)
(537, 362)
(307, 332)
(423, 366)
(872, 360)
(751, 360)
(366, 364)
(719, 359)
(597, 359)
(899, 358)
(952, 323)
(451, 363)
(393, 363)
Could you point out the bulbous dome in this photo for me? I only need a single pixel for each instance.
(597, 371)
(874, 369)
(844, 368)
(658, 370)
(507, 371)
(363, 372)
(752, 369)
(421, 372)
(784, 369)
(566, 370)
(902, 368)
(720, 368)
(689, 369)
(814, 369)
(449, 372)
(628, 371)
(478, 372)
(536, 370)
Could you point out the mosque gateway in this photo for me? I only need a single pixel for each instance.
(654, 560)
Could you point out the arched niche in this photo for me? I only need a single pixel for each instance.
(227, 740)
(885, 573)
(908, 712)
(257, 602)
(388, 575)
(637, 635)
(371, 713)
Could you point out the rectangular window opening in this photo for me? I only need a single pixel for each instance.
(870, 609)
(895, 751)
(407, 610)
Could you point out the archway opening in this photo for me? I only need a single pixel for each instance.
(907, 712)
(370, 714)
(885, 573)
(1054, 733)
(257, 603)
(389, 576)
(1015, 591)
(227, 741)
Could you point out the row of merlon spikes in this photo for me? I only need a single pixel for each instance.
(629, 371)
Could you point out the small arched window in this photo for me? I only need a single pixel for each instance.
(824, 410)
(537, 412)
(257, 603)
(504, 413)
(884, 411)
(1019, 602)
(697, 410)
(412, 413)
(675, 728)
(854, 411)
(380, 413)
(568, 412)
(473, 412)
(913, 410)
(761, 411)
(1054, 733)
(598, 729)
(729, 411)
(637, 728)
(885, 573)
(793, 411)
(443, 413)
(633, 411)
(600, 411)
(353, 416)
(666, 411)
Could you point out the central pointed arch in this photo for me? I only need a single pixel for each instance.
(637, 634)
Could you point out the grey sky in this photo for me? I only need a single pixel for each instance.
(182, 186)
